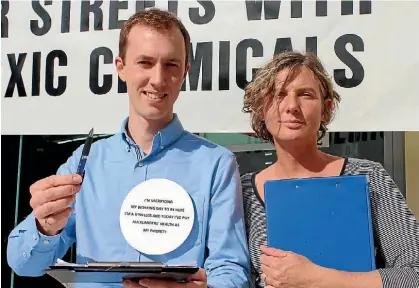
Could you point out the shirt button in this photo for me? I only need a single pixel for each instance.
(162, 147)
(24, 255)
(46, 242)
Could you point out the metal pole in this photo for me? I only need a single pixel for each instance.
(19, 163)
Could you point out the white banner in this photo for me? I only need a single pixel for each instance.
(58, 75)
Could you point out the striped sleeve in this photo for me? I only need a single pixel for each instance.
(396, 231)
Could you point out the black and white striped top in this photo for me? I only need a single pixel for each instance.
(396, 230)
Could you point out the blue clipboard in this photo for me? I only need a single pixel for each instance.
(328, 220)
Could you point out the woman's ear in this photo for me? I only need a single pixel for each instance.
(327, 108)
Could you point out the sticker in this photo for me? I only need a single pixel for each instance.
(156, 216)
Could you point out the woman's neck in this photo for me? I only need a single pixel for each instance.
(301, 160)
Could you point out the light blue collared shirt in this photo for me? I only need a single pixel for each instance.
(208, 172)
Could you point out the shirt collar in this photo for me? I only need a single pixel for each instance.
(164, 137)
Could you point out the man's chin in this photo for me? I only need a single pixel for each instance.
(155, 115)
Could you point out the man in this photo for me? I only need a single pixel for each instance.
(153, 61)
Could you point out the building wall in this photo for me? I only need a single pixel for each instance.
(412, 170)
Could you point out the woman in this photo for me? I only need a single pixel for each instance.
(291, 101)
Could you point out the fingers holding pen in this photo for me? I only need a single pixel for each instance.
(52, 224)
(52, 207)
(52, 194)
(60, 219)
(55, 181)
(50, 201)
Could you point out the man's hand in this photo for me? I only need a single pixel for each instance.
(50, 201)
(283, 269)
(197, 280)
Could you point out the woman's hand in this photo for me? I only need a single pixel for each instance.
(282, 269)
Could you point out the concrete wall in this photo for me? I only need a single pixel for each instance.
(412, 171)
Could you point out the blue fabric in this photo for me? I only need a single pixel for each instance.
(208, 172)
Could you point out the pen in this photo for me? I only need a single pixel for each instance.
(85, 154)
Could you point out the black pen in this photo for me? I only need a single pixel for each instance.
(85, 154)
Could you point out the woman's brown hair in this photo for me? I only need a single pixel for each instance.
(261, 90)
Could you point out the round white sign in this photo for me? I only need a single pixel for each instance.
(156, 216)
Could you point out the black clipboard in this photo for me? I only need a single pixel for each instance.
(116, 272)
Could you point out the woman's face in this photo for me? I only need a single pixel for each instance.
(296, 110)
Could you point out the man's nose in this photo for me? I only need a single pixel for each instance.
(157, 78)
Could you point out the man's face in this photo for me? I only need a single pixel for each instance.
(154, 70)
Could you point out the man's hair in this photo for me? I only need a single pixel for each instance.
(261, 90)
(157, 19)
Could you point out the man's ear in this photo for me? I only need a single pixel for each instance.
(186, 71)
(120, 68)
